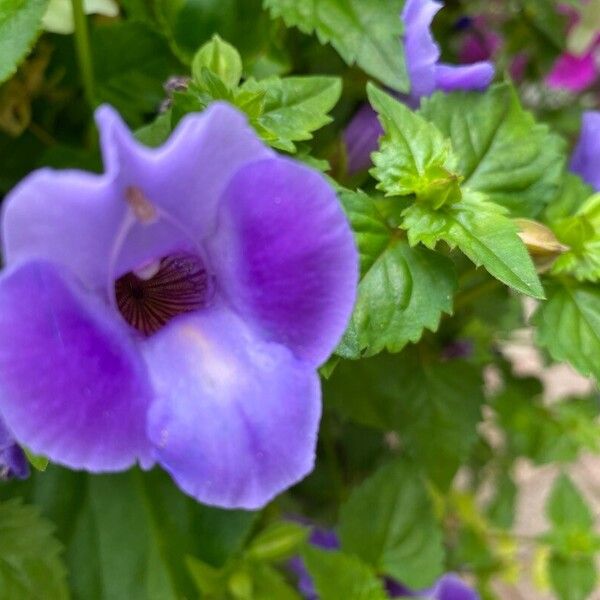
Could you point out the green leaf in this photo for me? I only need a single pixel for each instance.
(503, 152)
(337, 575)
(293, 107)
(30, 564)
(566, 507)
(568, 325)
(483, 232)
(269, 584)
(572, 578)
(278, 541)
(20, 25)
(413, 157)
(156, 133)
(434, 406)
(365, 32)
(40, 463)
(388, 522)
(130, 76)
(581, 233)
(221, 58)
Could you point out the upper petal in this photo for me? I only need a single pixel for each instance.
(477, 76)
(285, 256)
(72, 385)
(574, 73)
(421, 51)
(235, 420)
(77, 220)
(586, 157)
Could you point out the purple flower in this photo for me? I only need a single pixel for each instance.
(448, 587)
(13, 463)
(426, 75)
(175, 308)
(586, 156)
(573, 73)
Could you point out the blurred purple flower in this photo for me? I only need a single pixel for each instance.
(586, 156)
(13, 462)
(426, 75)
(574, 73)
(174, 309)
(448, 587)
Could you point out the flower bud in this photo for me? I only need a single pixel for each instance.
(542, 245)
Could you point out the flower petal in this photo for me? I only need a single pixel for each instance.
(451, 587)
(422, 53)
(586, 157)
(13, 463)
(361, 137)
(574, 73)
(235, 421)
(74, 219)
(73, 387)
(286, 256)
(477, 76)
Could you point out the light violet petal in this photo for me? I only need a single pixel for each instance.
(586, 156)
(361, 139)
(73, 387)
(421, 51)
(477, 76)
(235, 420)
(451, 587)
(286, 257)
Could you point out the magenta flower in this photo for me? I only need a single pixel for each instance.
(426, 75)
(574, 73)
(13, 463)
(174, 309)
(586, 156)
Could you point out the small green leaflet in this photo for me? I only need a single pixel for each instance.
(413, 157)
(482, 231)
(581, 233)
(568, 325)
(20, 25)
(365, 32)
(294, 107)
(337, 575)
(434, 406)
(503, 152)
(388, 522)
(572, 540)
(221, 58)
(30, 562)
(403, 290)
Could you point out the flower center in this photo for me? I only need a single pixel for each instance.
(150, 297)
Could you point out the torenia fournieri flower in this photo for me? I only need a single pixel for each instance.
(426, 74)
(174, 309)
(586, 156)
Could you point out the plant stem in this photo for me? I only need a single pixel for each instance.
(84, 55)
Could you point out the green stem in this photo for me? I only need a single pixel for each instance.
(84, 55)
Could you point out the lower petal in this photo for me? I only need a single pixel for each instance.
(73, 386)
(235, 420)
(477, 76)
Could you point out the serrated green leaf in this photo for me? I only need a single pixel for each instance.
(337, 575)
(413, 157)
(405, 291)
(294, 107)
(568, 325)
(502, 151)
(482, 231)
(30, 564)
(221, 58)
(434, 406)
(20, 25)
(581, 233)
(365, 32)
(388, 522)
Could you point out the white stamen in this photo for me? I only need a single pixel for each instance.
(148, 271)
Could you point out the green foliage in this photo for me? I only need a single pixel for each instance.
(365, 32)
(30, 563)
(434, 406)
(20, 25)
(568, 325)
(388, 522)
(502, 151)
(339, 575)
(481, 230)
(414, 157)
(572, 540)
